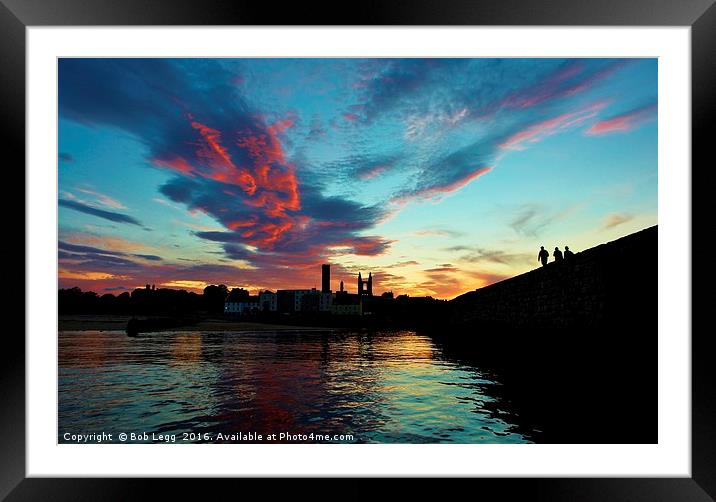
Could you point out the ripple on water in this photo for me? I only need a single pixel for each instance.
(383, 387)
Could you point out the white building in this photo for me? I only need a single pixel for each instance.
(244, 307)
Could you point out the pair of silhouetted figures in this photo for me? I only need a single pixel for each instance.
(543, 255)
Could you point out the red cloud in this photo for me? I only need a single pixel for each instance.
(268, 183)
(235, 224)
(220, 160)
(177, 164)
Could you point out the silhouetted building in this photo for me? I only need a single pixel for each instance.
(268, 301)
(365, 287)
(250, 305)
(238, 295)
(285, 301)
(310, 302)
(379, 305)
(326, 301)
(347, 304)
(325, 278)
(314, 301)
(289, 300)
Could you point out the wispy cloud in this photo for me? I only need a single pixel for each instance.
(103, 199)
(438, 232)
(78, 253)
(65, 157)
(531, 219)
(401, 264)
(150, 257)
(616, 219)
(482, 255)
(100, 213)
(624, 122)
(106, 242)
(541, 130)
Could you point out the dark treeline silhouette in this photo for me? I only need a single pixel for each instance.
(143, 301)
(402, 312)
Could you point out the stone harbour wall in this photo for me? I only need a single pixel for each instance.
(611, 284)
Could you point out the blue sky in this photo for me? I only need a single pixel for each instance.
(438, 175)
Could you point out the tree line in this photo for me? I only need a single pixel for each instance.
(143, 301)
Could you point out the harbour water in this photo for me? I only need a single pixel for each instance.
(302, 387)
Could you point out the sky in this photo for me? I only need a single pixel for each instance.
(439, 176)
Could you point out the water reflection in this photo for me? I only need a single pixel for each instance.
(379, 387)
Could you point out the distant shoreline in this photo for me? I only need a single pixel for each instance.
(119, 323)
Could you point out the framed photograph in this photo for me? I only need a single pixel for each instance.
(448, 241)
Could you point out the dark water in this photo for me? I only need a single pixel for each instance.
(392, 387)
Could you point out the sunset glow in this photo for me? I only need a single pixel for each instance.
(438, 176)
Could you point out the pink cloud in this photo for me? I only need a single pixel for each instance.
(433, 191)
(624, 122)
(103, 199)
(373, 172)
(571, 79)
(539, 131)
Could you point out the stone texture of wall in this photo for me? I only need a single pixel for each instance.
(613, 284)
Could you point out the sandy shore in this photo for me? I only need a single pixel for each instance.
(118, 323)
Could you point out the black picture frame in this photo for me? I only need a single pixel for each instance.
(700, 15)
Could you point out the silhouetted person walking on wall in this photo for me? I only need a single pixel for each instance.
(543, 255)
(557, 254)
(567, 253)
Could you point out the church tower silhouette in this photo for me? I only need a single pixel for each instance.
(365, 286)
